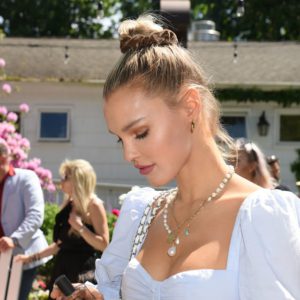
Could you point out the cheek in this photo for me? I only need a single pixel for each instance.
(173, 145)
(66, 187)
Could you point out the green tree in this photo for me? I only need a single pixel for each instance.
(67, 18)
(295, 166)
(264, 20)
(61, 18)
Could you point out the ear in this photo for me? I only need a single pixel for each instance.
(191, 103)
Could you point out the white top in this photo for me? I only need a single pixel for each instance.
(263, 260)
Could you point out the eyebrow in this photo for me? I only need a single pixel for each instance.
(131, 124)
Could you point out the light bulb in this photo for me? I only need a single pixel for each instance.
(240, 9)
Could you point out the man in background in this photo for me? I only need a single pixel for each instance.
(274, 166)
(21, 215)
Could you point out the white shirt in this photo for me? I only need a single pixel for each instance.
(263, 259)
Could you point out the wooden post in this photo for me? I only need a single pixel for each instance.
(10, 277)
(5, 260)
(14, 281)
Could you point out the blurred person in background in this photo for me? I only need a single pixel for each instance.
(80, 231)
(251, 164)
(21, 215)
(274, 167)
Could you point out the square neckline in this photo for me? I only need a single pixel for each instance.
(230, 264)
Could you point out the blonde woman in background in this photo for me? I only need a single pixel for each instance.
(216, 235)
(81, 231)
(251, 164)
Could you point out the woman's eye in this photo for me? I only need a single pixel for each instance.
(119, 141)
(142, 135)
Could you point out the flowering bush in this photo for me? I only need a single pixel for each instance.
(19, 145)
(111, 221)
(39, 290)
(6, 87)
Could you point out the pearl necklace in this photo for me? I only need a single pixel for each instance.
(173, 235)
(149, 214)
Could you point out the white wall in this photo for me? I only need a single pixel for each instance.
(89, 138)
(269, 144)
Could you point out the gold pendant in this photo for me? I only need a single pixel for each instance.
(171, 238)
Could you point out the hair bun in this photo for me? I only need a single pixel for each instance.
(139, 41)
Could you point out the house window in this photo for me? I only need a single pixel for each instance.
(54, 126)
(235, 126)
(289, 128)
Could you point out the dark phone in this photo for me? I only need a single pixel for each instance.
(64, 285)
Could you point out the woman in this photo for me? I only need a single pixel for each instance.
(251, 164)
(217, 235)
(80, 230)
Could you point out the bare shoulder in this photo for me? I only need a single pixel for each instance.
(95, 204)
(240, 189)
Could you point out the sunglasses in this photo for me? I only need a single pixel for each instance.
(65, 178)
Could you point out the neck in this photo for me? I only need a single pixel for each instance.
(202, 174)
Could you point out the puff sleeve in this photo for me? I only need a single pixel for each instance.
(110, 267)
(270, 247)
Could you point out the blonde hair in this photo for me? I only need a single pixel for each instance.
(154, 61)
(83, 179)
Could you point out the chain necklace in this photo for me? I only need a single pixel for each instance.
(173, 235)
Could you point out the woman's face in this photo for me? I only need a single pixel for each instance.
(244, 167)
(156, 139)
(66, 184)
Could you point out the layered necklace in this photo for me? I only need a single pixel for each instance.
(173, 235)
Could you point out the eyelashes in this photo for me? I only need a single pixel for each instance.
(142, 135)
(138, 136)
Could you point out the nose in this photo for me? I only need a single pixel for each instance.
(129, 152)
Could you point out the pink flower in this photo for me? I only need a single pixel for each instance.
(11, 117)
(6, 88)
(24, 143)
(3, 111)
(18, 154)
(19, 147)
(6, 129)
(50, 188)
(33, 164)
(24, 108)
(2, 63)
(42, 284)
(116, 212)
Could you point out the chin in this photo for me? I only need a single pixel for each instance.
(158, 182)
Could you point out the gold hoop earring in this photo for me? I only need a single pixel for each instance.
(192, 126)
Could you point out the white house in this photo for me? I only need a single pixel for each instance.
(62, 81)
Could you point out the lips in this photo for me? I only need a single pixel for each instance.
(145, 170)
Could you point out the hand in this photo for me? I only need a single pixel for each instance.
(82, 292)
(6, 243)
(22, 258)
(75, 220)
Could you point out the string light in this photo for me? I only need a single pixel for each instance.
(239, 13)
(67, 56)
(240, 9)
(235, 53)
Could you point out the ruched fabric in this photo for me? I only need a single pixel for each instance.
(263, 260)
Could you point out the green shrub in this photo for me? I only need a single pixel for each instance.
(295, 166)
(49, 220)
(111, 221)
